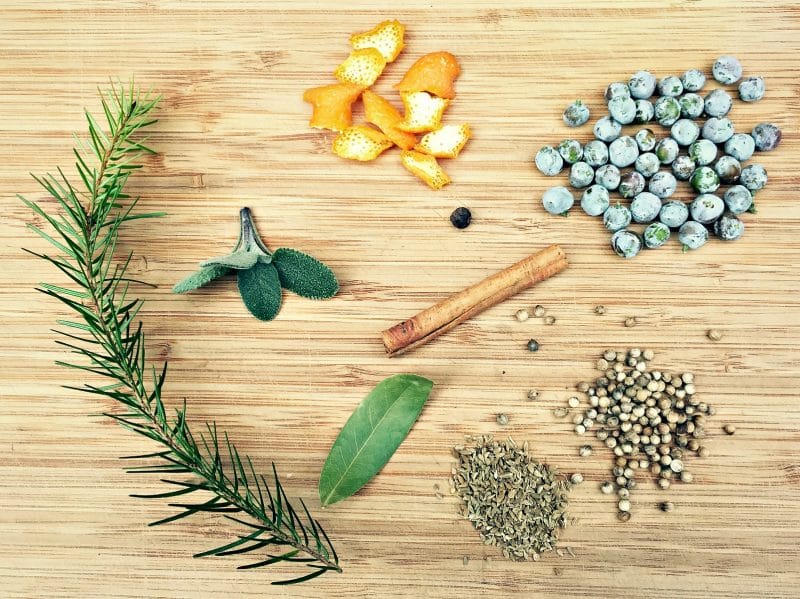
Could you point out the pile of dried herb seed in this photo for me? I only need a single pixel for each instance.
(515, 502)
(705, 154)
(651, 420)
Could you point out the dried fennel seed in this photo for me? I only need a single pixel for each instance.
(513, 501)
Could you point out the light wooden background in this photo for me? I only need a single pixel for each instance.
(233, 133)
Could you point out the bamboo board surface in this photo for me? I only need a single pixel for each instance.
(233, 132)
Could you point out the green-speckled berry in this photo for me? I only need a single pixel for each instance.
(616, 217)
(645, 139)
(751, 89)
(753, 177)
(615, 90)
(655, 235)
(717, 103)
(581, 175)
(608, 176)
(667, 111)
(558, 200)
(728, 169)
(570, 150)
(549, 161)
(645, 207)
(692, 235)
(667, 150)
(631, 184)
(683, 167)
(595, 200)
(576, 114)
(623, 151)
(703, 152)
(607, 129)
(718, 130)
(727, 69)
(670, 86)
(706, 208)
(626, 244)
(673, 214)
(622, 109)
(728, 227)
(642, 85)
(704, 179)
(644, 111)
(692, 105)
(595, 153)
(663, 185)
(738, 199)
(685, 132)
(741, 146)
(693, 80)
(766, 136)
(647, 164)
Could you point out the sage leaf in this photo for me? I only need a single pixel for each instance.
(304, 275)
(240, 259)
(372, 434)
(260, 289)
(202, 277)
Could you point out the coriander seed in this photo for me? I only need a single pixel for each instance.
(585, 451)
(576, 478)
(522, 315)
(573, 402)
(600, 310)
(550, 320)
(560, 412)
(538, 311)
(624, 505)
(729, 429)
(533, 394)
(623, 516)
(714, 334)
(631, 322)
(666, 506)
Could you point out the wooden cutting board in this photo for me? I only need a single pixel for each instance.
(233, 132)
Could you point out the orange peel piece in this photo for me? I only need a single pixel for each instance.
(423, 112)
(380, 112)
(434, 73)
(332, 105)
(360, 142)
(426, 167)
(362, 67)
(385, 37)
(445, 142)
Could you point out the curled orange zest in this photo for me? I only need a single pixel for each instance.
(445, 142)
(423, 112)
(380, 112)
(360, 142)
(425, 167)
(332, 105)
(386, 38)
(362, 67)
(434, 73)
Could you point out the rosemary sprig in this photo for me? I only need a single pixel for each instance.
(205, 472)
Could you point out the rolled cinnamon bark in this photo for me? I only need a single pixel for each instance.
(457, 308)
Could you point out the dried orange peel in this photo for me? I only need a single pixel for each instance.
(360, 142)
(386, 38)
(425, 167)
(380, 112)
(423, 112)
(333, 105)
(362, 67)
(445, 142)
(434, 73)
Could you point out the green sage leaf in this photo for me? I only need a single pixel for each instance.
(304, 275)
(261, 290)
(240, 259)
(202, 277)
(372, 434)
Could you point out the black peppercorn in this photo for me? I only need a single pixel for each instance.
(461, 218)
(533, 345)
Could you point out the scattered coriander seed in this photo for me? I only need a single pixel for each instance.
(623, 516)
(624, 505)
(687, 477)
(538, 311)
(703, 452)
(573, 402)
(714, 334)
(461, 218)
(631, 321)
(729, 429)
(522, 315)
(666, 506)
(549, 319)
(533, 394)
(560, 412)
(533, 345)
(580, 429)
(607, 487)
(585, 451)
(502, 419)
(600, 310)
(576, 478)
(663, 483)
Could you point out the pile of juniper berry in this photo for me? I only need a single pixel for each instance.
(713, 154)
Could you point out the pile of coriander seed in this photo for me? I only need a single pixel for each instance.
(651, 420)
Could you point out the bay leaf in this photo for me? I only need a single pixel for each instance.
(304, 275)
(260, 290)
(372, 434)
(202, 277)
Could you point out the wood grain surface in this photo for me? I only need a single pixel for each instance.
(233, 132)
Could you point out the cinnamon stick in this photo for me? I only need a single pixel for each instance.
(441, 317)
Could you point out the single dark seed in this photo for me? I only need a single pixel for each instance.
(533, 345)
(666, 506)
(461, 217)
